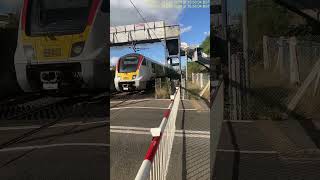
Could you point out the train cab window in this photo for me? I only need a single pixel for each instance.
(128, 64)
(57, 17)
(104, 7)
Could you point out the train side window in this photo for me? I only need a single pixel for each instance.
(104, 6)
(144, 63)
(158, 67)
(153, 67)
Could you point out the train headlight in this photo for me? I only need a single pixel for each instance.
(77, 49)
(29, 51)
(134, 77)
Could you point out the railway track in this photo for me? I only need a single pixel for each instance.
(53, 112)
(48, 107)
(131, 94)
(123, 97)
(20, 99)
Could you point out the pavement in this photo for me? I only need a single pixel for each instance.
(131, 120)
(75, 148)
(266, 150)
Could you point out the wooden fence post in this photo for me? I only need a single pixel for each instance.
(294, 66)
(266, 61)
(281, 55)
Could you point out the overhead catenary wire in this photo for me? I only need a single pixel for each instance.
(145, 21)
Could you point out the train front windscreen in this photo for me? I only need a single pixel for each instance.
(57, 16)
(128, 64)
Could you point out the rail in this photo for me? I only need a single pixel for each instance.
(156, 161)
(216, 118)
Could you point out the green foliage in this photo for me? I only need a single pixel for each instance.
(194, 67)
(267, 18)
(112, 68)
(206, 45)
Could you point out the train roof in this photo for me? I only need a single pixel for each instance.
(149, 59)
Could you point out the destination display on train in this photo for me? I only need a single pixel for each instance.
(130, 60)
(178, 3)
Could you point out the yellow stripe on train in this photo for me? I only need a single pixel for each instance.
(127, 76)
(59, 48)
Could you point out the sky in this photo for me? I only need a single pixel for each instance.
(194, 24)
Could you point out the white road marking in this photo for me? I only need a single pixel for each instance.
(146, 131)
(54, 126)
(239, 121)
(52, 145)
(138, 100)
(247, 152)
(154, 108)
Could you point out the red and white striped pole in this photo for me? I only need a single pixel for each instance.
(151, 155)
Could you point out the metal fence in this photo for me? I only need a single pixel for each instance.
(273, 87)
(291, 57)
(156, 162)
(200, 79)
(216, 117)
(290, 74)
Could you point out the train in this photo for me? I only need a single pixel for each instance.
(136, 72)
(62, 45)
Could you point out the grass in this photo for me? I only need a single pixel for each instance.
(193, 90)
(162, 92)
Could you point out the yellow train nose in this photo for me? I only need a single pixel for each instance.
(127, 76)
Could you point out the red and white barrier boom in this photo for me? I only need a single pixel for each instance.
(156, 161)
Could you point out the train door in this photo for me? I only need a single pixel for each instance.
(144, 68)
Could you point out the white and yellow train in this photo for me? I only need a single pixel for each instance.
(137, 72)
(62, 44)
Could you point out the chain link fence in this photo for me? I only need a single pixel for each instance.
(271, 98)
(200, 79)
(287, 77)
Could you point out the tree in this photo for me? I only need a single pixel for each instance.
(265, 17)
(206, 45)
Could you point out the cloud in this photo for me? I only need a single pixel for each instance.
(113, 61)
(122, 12)
(186, 29)
(184, 45)
(207, 33)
